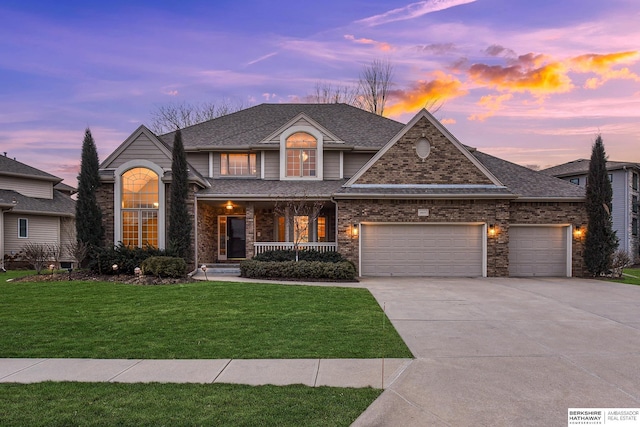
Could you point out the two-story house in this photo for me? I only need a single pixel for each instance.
(396, 199)
(35, 207)
(624, 183)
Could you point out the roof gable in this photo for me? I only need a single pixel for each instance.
(447, 163)
(302, 119)
(143, 139)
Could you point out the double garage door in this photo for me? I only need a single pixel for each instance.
(458, 250)
(422, 250)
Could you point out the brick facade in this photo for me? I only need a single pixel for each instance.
(104, 197)
(446, 164)
(555, 213)
(501, 213)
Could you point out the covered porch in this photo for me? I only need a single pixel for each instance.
(232, 230)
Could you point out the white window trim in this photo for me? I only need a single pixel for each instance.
(117, 199)
(283, 153)
(247, 175)
(26, 220)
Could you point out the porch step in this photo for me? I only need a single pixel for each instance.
(222, 269)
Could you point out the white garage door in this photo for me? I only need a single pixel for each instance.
(421, 250)
(538, 251)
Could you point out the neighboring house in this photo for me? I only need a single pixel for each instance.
(36, 207)
(624, 183)
(396, 199)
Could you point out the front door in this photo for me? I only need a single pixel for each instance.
(232, 237)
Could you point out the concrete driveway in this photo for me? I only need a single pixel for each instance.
(508, 352)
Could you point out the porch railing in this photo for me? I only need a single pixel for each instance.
(260, 247)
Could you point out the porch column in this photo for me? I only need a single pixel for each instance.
(250, 229)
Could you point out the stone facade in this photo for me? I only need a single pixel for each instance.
(207, 229)
(446, 164)
(555, 213)
(104, 197)
(501, 213)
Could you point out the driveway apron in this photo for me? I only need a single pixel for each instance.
(508, 352)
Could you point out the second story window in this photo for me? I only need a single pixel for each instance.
(301, 156)
(575, 181)
(634, 184)
(238, 164)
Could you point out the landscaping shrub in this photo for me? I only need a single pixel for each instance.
(164, 266)
(126, 258)
(314, 270)
(303, 255)
(620, 260)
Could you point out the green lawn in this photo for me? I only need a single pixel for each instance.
(13, 274)
(204, 320)
(630, 280)
(105, 404)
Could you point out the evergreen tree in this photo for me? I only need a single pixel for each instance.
(179, 219)
(89, 229)
(601, 240)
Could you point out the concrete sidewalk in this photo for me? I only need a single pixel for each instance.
(310, 372)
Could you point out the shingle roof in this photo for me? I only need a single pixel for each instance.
(10, 166)
(426, 192)
(528, 183)
(61, 204)
(581, 167)
(252, 125)
(269, 189)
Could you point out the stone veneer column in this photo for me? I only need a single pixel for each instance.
(250, 229)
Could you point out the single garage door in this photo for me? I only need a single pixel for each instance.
(538, 250)
(421, 250)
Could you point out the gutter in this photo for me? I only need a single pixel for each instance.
(347, 196)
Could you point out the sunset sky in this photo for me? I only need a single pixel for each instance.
(532, 82)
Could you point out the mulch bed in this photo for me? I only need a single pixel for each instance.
(88, 276)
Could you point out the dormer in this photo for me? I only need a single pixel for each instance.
(302, 143)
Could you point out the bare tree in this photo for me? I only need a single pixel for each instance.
(55, 253)
(302, 213)
(374, 85)
(326, 93)
(169, 117)
(37, 254)
(78, 250)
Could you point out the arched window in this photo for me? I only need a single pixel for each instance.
(302, 154)
(140, 205)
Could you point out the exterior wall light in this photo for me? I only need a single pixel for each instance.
(229, 205)
(492, 230)
(577, 232)
(354, 230)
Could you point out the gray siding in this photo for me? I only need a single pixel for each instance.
(41, 229)
(142, 148)
(353, 162)
(271, 164)
(200, 162)
(331, 165)
(28, 187)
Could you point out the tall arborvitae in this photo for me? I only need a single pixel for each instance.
(89, 229)
(601, 240)
(179, 219)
